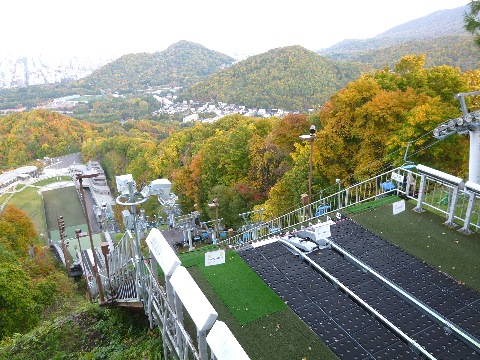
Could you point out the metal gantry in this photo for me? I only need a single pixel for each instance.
(468, 123)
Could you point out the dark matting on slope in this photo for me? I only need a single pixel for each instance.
(344, 325)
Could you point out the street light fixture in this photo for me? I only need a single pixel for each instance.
(310, 137)
(338, 181)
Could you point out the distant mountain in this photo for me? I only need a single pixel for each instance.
(290, 78)
(452, 50)
(439, 23)
(181, 64)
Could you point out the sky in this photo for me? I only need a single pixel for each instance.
(110, 28)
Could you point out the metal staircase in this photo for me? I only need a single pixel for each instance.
(129, 278)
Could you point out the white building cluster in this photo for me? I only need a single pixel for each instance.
(35, 70)
(209, 111)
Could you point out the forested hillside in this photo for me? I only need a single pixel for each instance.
(452, 50)
(291, 78)
(365, 128)
(439, 23)
(181, 64)
(244, 161)
(29, 283)
(28, 136)
(25, 137)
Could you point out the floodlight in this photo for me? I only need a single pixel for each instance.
(305, 137)
(122, 183)
(160, 187)
(145, 192)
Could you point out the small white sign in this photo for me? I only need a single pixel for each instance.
(323, 231)
(398, 207)
(397, 177)
(215, 257)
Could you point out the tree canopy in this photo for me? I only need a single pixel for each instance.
(472, 20)
(27, 284)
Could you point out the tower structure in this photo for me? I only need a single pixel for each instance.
(468, 123)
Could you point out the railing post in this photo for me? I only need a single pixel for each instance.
(421, 193)
(453, 205)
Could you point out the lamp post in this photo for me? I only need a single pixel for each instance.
(214, 204)
(310, 137)
(339, 189)
(80, 178)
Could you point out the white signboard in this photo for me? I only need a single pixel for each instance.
(323, 231)
(397, 177)
(215, 257)
(398, 207)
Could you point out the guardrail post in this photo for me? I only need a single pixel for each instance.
(421, 193)
(453, 205)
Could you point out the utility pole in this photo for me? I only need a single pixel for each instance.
(310, 138)
(80, 177)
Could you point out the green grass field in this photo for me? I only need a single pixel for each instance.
(29, 200)
(43, 208)
(243, 292)
(63, 202)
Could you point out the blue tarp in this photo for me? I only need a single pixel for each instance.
(387, 186)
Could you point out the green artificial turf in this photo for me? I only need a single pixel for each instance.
(372, 204)
(244, 293)
(425, 236)
(280, 335)
(197, 256)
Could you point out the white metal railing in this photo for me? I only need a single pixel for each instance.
(438, 196)
(175, 338)
(126, 267)
(123, 269)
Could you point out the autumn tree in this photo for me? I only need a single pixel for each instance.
(17, 231)
(18, 309)
(472, 20)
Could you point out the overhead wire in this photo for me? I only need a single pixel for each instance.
(388, 165)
